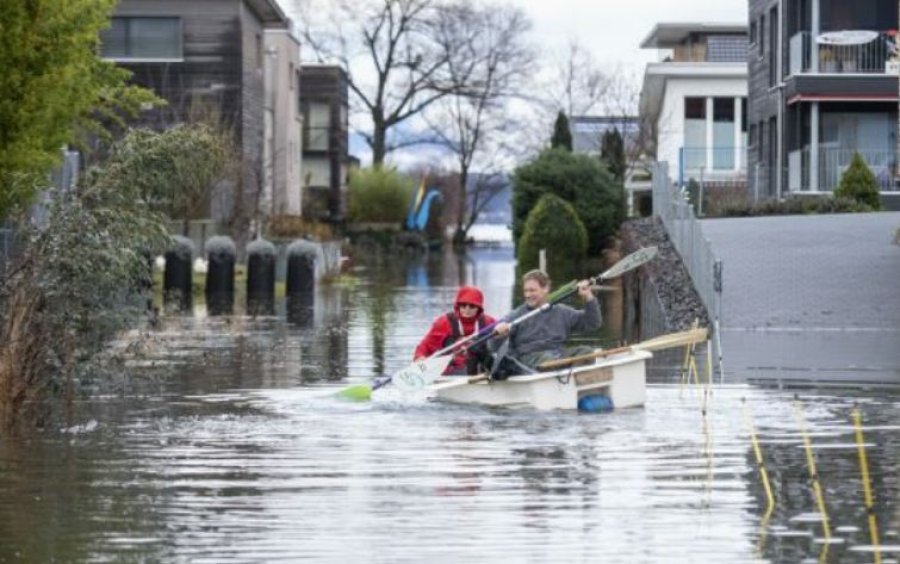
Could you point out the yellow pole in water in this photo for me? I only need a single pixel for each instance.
(866, 483)
(688, 358)
(760, 462)
(763, 476)
(813, 474)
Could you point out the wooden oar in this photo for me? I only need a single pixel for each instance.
(422, 373)
(669, 341)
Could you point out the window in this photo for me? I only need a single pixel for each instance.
(773, 155)
(726, 49)
(694, 133)
(143, 39)
(723, 133)
(316, 126)
(761, 132)
(773, 46)
(762, 36)
(752, 33)
(744, 128)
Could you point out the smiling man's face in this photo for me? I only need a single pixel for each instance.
(535, 294)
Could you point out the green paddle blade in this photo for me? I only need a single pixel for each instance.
(362, 392)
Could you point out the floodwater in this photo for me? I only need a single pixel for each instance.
(224, 443)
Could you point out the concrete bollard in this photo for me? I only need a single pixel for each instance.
(221, 255)
(178, 279)
(261, 278)
(301, 282)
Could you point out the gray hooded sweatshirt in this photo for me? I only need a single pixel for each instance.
(549, 330)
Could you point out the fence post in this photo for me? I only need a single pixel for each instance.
(717, 288)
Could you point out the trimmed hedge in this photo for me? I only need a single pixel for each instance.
(793, 206)
(553, 225)
(583, 181)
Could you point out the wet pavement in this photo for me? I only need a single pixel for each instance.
(225, 443)
(810, 297)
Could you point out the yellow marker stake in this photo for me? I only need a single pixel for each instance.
(866, 483)
(811, 463)
(763, 476)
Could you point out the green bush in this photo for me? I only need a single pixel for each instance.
(793, 206)
(582, 181)
(379, 194)
(553, 225)
(859, 183)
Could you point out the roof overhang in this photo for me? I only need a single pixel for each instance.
(657, 75)
(669, 35)
(842, 98)
(269, 12)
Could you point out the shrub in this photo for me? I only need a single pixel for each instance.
(859, 183)
(82, 276)
(794, 206)
(378, 194)
(553, 225)
(582, 181)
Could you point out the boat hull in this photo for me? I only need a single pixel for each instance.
(622, 378)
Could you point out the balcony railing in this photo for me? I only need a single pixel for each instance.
(712, 160)
(832, 164)
(871, 57)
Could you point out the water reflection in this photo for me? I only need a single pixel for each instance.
(230, 447)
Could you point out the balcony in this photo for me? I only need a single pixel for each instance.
(832, 164)
(854, 52)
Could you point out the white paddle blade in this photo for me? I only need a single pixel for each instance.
(630, 262)
(421, 374)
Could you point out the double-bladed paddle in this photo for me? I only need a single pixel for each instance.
(422, 373)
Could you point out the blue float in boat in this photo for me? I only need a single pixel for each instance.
(595, 404)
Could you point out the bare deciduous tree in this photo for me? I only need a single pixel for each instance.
(578, 86)
(396, 68)
(489, 62)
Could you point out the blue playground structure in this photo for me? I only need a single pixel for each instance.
(420, 207)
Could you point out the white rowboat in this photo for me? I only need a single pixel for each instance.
(620, 377)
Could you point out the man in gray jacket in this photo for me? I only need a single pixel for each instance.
(543, 336)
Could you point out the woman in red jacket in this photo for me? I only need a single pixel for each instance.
(466, 318)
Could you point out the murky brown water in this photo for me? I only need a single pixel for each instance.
(229, 447)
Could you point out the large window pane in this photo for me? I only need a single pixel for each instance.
(115, 39)
(317, 127)
(694, 133)
(144, 38)
(723, 133)
(154, 38)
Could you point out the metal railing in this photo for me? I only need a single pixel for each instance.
(870, 57)
(685, 232)
(832, 164)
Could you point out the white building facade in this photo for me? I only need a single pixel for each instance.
(696, 98)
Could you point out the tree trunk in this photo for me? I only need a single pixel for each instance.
(379, 136)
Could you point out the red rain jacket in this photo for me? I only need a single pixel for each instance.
(441, 333)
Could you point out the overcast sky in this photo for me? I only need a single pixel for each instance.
(611, 30)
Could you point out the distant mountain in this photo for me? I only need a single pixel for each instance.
(498, 209)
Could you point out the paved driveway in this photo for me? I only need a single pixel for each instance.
(810, 296)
